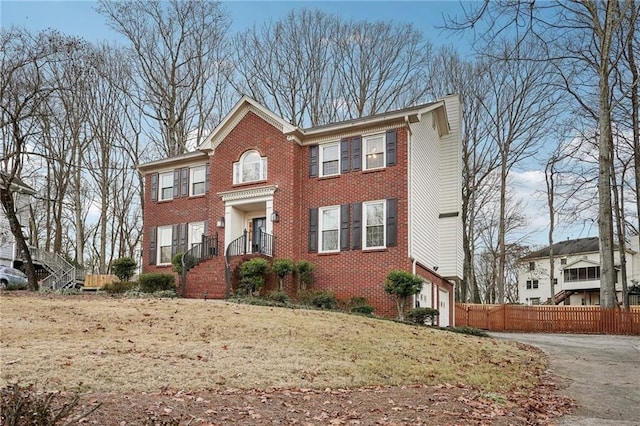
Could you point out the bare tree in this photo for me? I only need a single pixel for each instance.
(521, 104)
(179, 51)
(25, 86)
(580, 35)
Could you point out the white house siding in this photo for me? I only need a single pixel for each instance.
(541, 273)
(435, 193)
(450, 206)
(424, 155)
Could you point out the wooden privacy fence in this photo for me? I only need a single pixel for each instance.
(549, 319)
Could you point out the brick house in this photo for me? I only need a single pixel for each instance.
(357, 198)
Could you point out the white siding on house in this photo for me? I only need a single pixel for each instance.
(424, 155)
(435, 193)
(451, 255)
(541, 273)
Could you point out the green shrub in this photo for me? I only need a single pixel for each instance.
(282, 268)
(252, 273)
(120, 287)
(469, 330)
(420, 316)
(362, 309)
(278, 296)
(304, 269)
(23, 405)
(318, 298)
(357, 304)
(189, 262)
(150, 283)
(402, 285)
(124, 268)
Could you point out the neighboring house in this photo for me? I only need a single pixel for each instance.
(357, 198)
(576, 273)
(9, 255)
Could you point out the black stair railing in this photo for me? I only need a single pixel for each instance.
(265, 244)
(206, 249)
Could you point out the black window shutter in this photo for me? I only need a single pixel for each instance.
(206, 227)
(345, 165)
(344, 227)
(182, 248)
(154, 187)
(313, 161)
(392, 222)
(313, 230)
(356, 152)
(391, 147)
(174, 240)
(176, 183)
(152, 245)
(206, 178)
(356, 229)
(185, 182)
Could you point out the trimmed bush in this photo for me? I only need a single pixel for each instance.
(362, 309)
(420, 316)
(282, 268)
(120, 287)
(278, 296)
(304, 269)
(252, 273)
(318, 298)
(357, 304)
(402, 285)
(124, 268)
(150, 283)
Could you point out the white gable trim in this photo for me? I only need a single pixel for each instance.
(248, 193)
(237, 113)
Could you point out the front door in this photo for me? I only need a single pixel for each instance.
(258, 226)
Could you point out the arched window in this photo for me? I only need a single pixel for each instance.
(251, 167)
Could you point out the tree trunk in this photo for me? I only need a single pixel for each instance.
(605, 220)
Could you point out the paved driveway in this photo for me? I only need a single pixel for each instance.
(601, 373)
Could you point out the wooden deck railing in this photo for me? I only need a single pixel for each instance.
(549, 319)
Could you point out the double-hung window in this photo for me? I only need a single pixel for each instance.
(165, 235)
(196, 229)
(250, 168)
(198, 178)
(374, 152)
(374, 223)
(329, 229)
(330, 159)
(166, 186)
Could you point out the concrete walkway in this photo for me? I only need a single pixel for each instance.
(601, 373)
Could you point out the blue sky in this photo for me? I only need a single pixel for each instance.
(79, 17)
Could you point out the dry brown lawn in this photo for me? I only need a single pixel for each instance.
(215, 362)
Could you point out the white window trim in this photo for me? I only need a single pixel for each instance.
(366, 139)
(160, 187)
(321, 159)
(237, 168)
(192, 181)
(364, 224)
(191, 234)
(159, 243)
(320, 229)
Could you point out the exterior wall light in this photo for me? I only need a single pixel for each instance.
(220, 222)
(275, 217)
